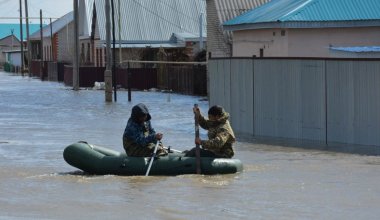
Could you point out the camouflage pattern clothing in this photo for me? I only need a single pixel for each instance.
(220, 136)
(139, 137)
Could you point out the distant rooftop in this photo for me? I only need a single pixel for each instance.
(294, 12)
(57, 25)
(152, 20)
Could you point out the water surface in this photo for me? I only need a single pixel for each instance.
(39, 119)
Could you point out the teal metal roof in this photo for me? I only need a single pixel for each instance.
(6, 29)
(311, 11)
(368, 49)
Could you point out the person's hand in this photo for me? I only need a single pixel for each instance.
(159, 136)
(198, 141)
(196, 110)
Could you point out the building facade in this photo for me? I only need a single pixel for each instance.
(8, 43)
(219, 11)
(305, 28)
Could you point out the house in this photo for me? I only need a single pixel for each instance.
(219, 42)
(8, 43)
(146, 27)
(305, 28)
(58, 40)
(13, 57)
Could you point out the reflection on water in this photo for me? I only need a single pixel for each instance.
(39, 119)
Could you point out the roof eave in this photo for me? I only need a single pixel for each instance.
(302, 24)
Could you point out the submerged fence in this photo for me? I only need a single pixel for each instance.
(191, 80)
(323, 100)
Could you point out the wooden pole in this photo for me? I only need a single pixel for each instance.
(108, 72)
(27, 37)
(113, 52)
(41, 48)
(119, 15)
(21, 40)
(201, 32)
(129, 82)
(13, 35)
(51, 40)
(76, 47)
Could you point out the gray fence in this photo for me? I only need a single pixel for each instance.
(323, 100)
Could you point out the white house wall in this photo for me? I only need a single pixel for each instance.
(311, 42)
(65, 48)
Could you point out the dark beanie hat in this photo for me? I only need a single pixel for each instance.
(216, 110)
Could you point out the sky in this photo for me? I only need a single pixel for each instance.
(50, 8)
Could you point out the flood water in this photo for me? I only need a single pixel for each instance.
(39, 119)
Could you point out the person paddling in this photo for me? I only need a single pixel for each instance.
(220, 134)
(139, 138)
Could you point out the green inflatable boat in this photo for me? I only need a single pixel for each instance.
(100, 161)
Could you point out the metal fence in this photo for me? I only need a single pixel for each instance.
(322, 100)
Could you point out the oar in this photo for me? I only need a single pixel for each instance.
(197, 149)
(152, 158)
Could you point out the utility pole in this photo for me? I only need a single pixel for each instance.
(120, 56)
(27, 36)
(41, 48)
(76, 47)
(113, 52)
(201, 32)
(51, 41)
(21, 40)
(12, 30)
(108, 72)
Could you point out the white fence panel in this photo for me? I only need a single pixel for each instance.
(220, 82)
(241, 109)
(353, 102)
(330, 101)
(289, 97)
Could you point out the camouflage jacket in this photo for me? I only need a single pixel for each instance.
(220, 134)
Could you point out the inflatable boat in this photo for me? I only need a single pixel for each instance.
(98, 160)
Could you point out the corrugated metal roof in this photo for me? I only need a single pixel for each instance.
(310, 11)
(228, 9)
(57, 25)
(189, 37)
(153, 20)
(358, 49)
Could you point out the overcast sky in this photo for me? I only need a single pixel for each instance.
(50, 8)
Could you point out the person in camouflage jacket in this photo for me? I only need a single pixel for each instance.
(139, 138)
(220, 134)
